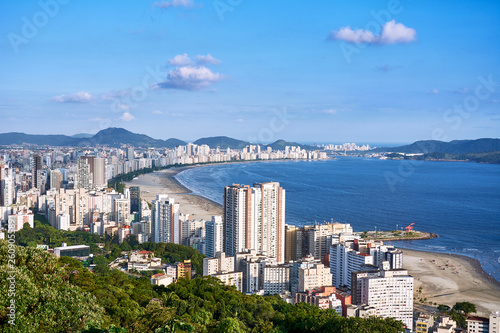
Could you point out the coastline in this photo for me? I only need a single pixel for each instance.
(451, 278)
(164, 182)
(471, 283)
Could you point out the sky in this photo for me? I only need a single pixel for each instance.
(322, 71)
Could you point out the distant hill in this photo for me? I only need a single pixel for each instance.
(113, 137)
(116, 137)
(15, 138)
(82, 135)
(281, 144)
(223, 142)
(452, 147)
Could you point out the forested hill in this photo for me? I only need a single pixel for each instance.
(452, 147)
(60, 295)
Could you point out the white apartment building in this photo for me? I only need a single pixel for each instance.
(495, 322)
(231, 279)
(220, 263)
(213, 236)
(165, 226)
(254, 218)
(343, 261)
(313, 277)
(391, 294)
(274, 278)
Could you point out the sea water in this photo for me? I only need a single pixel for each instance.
(459, 201)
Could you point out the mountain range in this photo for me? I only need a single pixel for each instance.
(116, 137)
(452, 147)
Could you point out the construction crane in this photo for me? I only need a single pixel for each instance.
(409, 227)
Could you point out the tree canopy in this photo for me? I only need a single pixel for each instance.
(60, 295)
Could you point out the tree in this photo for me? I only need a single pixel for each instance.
(464, 307)
(443, 308)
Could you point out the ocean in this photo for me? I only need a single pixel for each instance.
(459, 201)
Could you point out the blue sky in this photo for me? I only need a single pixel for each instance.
(328, 71)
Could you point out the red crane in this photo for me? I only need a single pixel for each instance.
(409, 227)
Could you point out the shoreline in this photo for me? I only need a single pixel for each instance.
(450, 278)
(472, 283)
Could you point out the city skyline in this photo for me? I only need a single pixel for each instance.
(387, 71)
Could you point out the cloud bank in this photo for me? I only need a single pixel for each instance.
(392, 33)
(79, 97)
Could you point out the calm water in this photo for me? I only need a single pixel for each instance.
(458, 201)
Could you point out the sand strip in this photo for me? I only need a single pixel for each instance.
(450, 278)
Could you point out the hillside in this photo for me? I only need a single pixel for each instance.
(60, 295)
(116, 137)
(452, 147)
(281, 144)
(223, 142)
(14, 138)
(113, 137)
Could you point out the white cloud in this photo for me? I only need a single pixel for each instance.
(239, 120)
(207, 59)
(433, 92)
(392, 33)
(157, 112)
(97, 119)
(352, 36)
(190, 78)
(180, 60)
(127, 117)
(462, 91)
(330, 111)
(396, 33)
(174, 3)
(79, 97)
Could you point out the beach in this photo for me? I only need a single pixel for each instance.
(449, 278)
(164, 182)
(459, 278)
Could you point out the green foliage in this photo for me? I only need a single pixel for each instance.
(459, 312)
(171, 253)
(45, 298)
(443, 308)
(60, 295)
(464, 307)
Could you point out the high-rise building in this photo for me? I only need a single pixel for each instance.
(135, 199)
(390, 292)
(237, 220)
(85, 176)
(254, 218)
(121, 210)
(37, 171)
(319, 237)
(213, 236)
(56, 179)
(314, 277)
(217, 264)
(495, 322)
(130, 153)
(165, 226)
(6, 186)
(91, 172)
(345, 260)
(99, 176)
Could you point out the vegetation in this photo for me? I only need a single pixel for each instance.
(60, 295)
(106, 246)
(459, 312)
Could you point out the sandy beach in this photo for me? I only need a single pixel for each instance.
(444, 278)
(448, 278)
(164, 182)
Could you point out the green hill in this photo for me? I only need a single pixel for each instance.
(452, 147)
